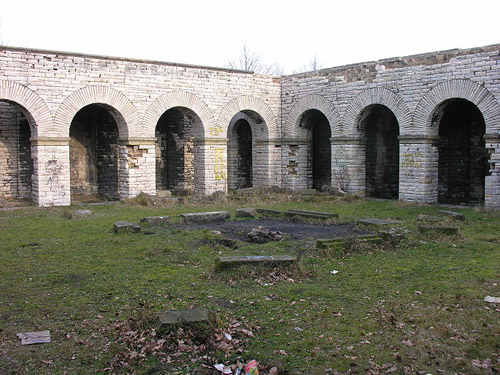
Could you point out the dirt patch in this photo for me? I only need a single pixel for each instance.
(238, 230)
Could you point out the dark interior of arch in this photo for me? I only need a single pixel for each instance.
(240, 156)
(463, 158)
(319, 154)
(175, 151)
(382, 152)
(94, 154)
(16, 168)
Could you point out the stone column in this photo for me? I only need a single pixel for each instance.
(349, 163)
(267, 162)
(51, 178)
(210, 172)
(294, 164)
(492, 182)
(137, 167)
(418, 168)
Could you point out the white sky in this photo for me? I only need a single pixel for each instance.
(210, 32)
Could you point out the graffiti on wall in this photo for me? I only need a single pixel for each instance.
(53, 171)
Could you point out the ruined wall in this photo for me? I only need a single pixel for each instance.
(411, 87)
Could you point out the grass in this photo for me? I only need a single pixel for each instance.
(415, 309)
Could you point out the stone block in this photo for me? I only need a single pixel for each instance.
(454, 215)
(203, 217)
(126, 227)
(172, 319)
(377, 224)
(271, 260)
(438, 229)
(311, 214)
(340, 241)
(246, 212)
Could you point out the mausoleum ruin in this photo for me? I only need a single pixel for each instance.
(422, 128)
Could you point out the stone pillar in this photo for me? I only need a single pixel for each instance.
(51, 178)
(294, 164)
(137, 167)
(418, 168)
(210, 171)
(492, 181)
(349, 163)
(267, 162)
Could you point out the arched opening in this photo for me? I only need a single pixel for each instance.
(175, 150)
(380, 127)
(239, 156)
(463, 158)
(94, 154)
(319, 152)
(16, 165)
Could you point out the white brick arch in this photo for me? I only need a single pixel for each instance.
(456, 89)
(32, 106)
(173, 99)
(118, 105)
(381, 96)
(307, 103)
(249, 103)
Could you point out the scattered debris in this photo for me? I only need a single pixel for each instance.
(156, 220)
(334, 272)
(492, 299)
(252, 368)
(263, 235)
(126, 227)
(29, 338)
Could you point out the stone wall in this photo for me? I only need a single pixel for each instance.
(50, 88)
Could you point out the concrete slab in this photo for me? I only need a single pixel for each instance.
(156, 220)
(203, 217)
(172, 318)
(126, 227)
(273, 260)
(339, 242)
(311, 214)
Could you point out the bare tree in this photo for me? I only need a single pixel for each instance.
(251, 61)
(314, 64)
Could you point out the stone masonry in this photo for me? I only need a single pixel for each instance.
(418, 128)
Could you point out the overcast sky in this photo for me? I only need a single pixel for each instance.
(289, 33)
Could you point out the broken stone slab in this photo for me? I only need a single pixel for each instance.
(156, 220)
(454, 215)
(273, 260)
(83, 212)
(126, 227)
(202, 217)
(268, 212)
(438, 229)
(340, 241)
(311, 214)
(173, 318)
(491, 299)
(28, 338)
(428, 218)
(246, 212)
(377, 223)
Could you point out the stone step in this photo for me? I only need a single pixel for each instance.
(340, 241)
(272, 260)
(126, 227)
(171, 319)
(203, 217)
(311, 214)
(438, 229)
(268, 212)
(156, 220)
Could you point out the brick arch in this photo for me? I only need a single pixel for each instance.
(32, 106)
(378, 95)
(177, 99)
(249, 103)
(119, 106)
(307, 103)
(459, 89)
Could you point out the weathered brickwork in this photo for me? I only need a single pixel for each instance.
(419, 128)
